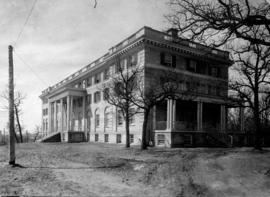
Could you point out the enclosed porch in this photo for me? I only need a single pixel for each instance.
(190, 123)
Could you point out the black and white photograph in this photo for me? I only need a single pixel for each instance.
(139, 98)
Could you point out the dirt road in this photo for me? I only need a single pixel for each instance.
(87, 169)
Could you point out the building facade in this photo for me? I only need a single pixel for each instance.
(75, 109)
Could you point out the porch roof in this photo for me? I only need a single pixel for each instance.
(66, 91)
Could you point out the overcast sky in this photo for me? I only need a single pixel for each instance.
(61, 37)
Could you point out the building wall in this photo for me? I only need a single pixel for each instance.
(45, 117)
(207, 77)
(102, 105)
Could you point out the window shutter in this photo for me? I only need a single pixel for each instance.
(162, 58)
(173, 61)
(218, 72)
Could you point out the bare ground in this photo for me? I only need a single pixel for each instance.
(88, 169)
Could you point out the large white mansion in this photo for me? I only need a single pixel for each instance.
(75, 110)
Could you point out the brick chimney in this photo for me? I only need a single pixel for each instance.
(173, 32)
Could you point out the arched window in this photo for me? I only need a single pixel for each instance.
(107, 118)
(97, 118)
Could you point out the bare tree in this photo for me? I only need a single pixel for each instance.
(219, 21)
(37, 133)
(158, 88)
(140, 88)
(120, 90)
(18, 100)
(251, 84)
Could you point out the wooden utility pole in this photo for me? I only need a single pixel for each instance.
(4, 136)
(11, 108)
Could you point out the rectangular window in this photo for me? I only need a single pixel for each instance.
(214, 90)
(203, 89)
(97, 78)
(191, 65)
(106, 93)
(214, 72)
(84, 84)
(44, 101)
(96, 137)
(112, 69)
(167, 59)
(118, 138)
(106, 138)
(97, 97)
(219, 91)
(132, 116)
(160, 139)
(209, 89)
(131, 138)
(89, 81)
(79, 85)
(187, 139)
(201, 67)
(120, 66)
(106, 73)
(89, 99)
(119, 118)
(46, 125)
(132, 60)
(79, 102)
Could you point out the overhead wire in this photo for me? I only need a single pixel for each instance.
(25, 23)
(30, 67)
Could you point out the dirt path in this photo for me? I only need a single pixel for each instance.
(109, 170)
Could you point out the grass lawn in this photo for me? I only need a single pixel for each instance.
(88, 169)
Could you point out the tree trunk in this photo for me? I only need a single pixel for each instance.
(144, 131)
(16, 138)
(127, 132)
(257, 144)
(18, 123)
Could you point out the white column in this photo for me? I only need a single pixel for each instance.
(154, 118)
(173, 113)
(55, 116)
(71, 113)
(199, 116)
(168, 114)
(222, 118)
(49, 117)
(68, 113)
(62, 119)
(84, 118)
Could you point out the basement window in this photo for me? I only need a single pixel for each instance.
(96, 137)
(118, 138)
(160, 139)
(131, 138)
(187, 139)
(106, 138)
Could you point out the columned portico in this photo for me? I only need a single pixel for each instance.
(67, 114)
